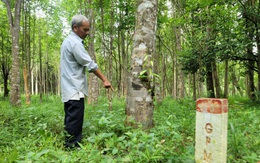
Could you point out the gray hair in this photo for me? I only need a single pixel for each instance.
(77, 20)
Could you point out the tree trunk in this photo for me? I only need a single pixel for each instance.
(210, 57)
(179, 74)
(226, 80)
(110, 58)
(26, 53)
(119, 67)
(14, 23)
(250, 31)
(216, 79)
(251, 85)
(124, 64)
(139, 104)
(5, 71)
(157, 81)
(209, 80)
(26, 87)
(40, 75)
(5, 65)
(93, 80)
(194, 86)
(235, 82)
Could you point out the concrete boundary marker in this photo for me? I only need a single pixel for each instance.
(211, 130)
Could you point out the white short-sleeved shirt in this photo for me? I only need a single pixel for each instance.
(74, 60)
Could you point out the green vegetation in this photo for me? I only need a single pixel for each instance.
(35, 133)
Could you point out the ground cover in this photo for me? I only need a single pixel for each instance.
(35, 133)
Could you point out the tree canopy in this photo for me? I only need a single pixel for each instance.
(205, 48)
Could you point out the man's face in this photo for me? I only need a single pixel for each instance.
(83, 30)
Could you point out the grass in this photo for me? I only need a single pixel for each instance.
(35, 133)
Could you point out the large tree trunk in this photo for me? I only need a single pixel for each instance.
(140, 97)
(14, 22)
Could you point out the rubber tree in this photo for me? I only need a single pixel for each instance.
(14, 22)
(139, 107)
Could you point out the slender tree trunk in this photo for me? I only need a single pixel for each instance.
(110, 58)
(235, 82)
(226, 80)
(216, 79)
(210, 59)
(251, 83)
(5, 66)
(180, 90)
(119, 70)
(209, 79)
(200, 78)
(250, 31)
(164, 76)
(40, 71)
(26, 53)
(174, 72)
(157, 86)
(32, 84)
(194, 86)
(251, 64)
(93, 80)
(139, 97)
(124, 64)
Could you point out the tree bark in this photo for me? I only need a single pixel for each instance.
(216, 79)
(14, 22)
(110, 58)
(5, 64)
(40, 75)
(209, 80)
(235, 82)
(93, 80)
(139, 106)
(194, 86)
(26, 53)
(226, 80)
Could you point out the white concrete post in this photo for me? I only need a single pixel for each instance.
(211, 130)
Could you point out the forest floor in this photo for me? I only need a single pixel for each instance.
(34, 133)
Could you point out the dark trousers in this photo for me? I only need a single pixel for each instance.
(73, 121)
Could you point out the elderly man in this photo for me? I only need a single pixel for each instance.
(74, 61)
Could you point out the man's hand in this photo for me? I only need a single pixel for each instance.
(107, 85)
(106, 82)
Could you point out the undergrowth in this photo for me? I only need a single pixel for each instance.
(35, 133)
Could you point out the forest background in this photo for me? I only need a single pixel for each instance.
(203, 48)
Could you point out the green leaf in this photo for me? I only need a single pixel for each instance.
(115, 150)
